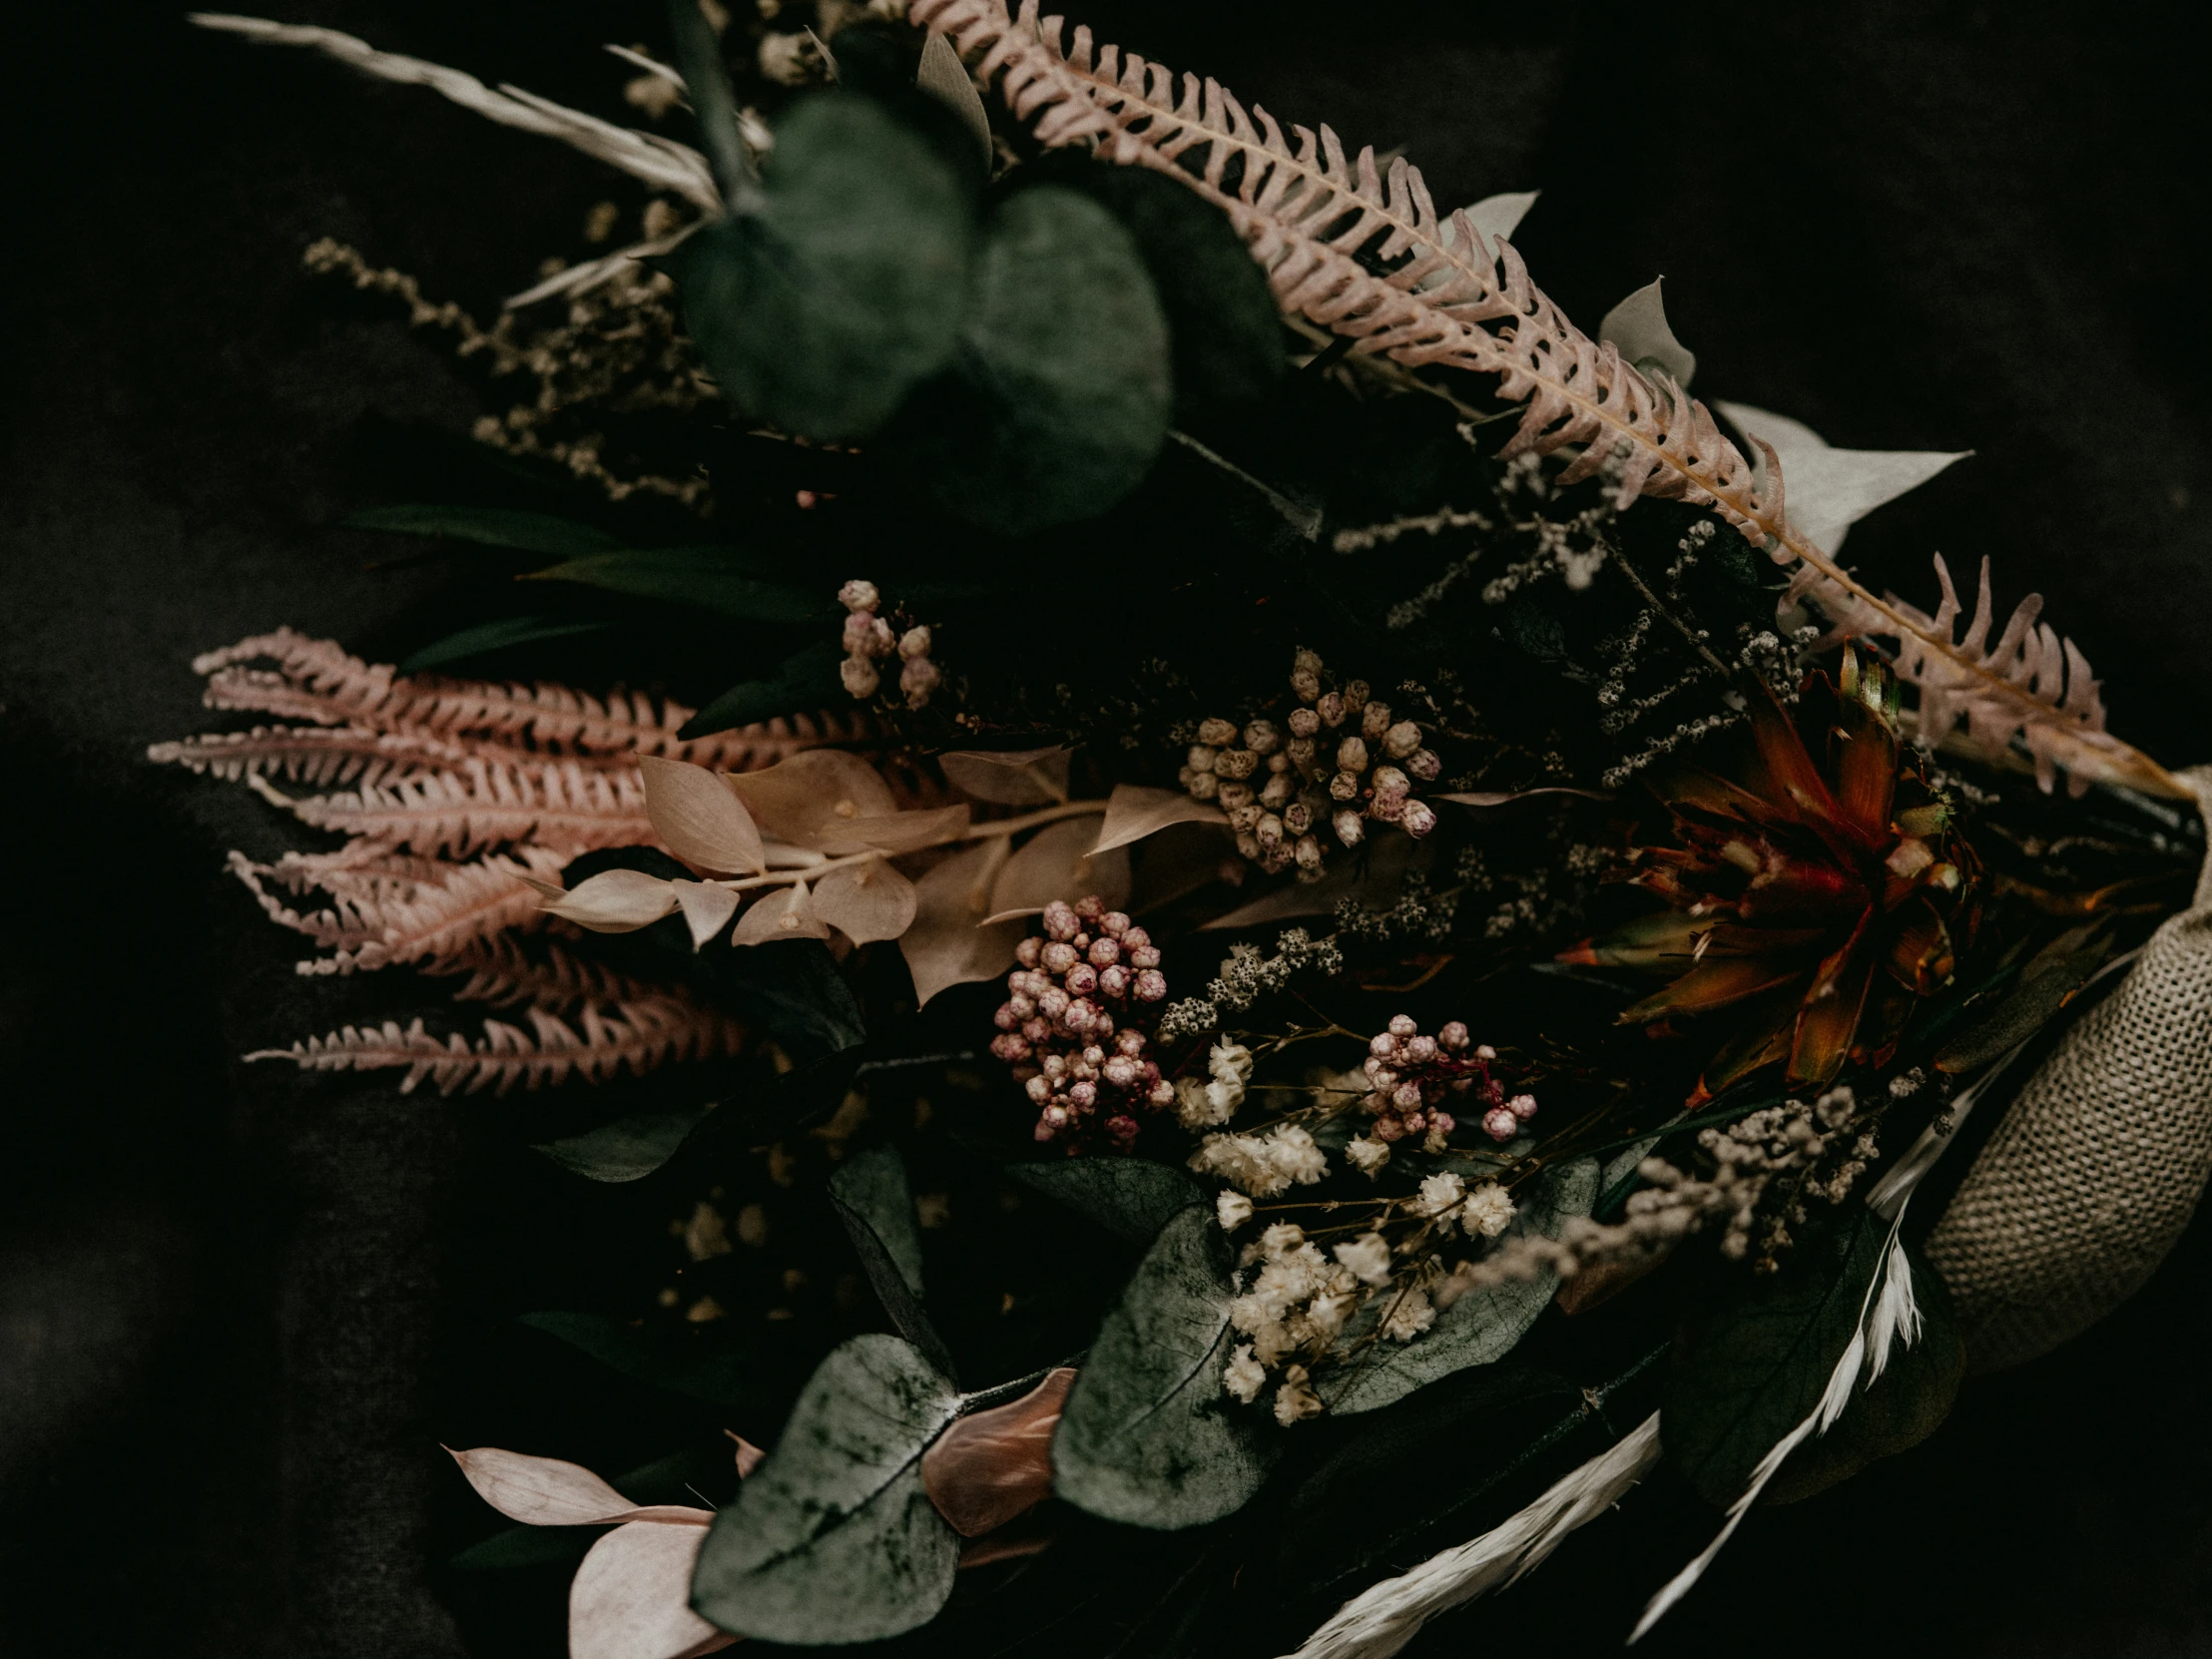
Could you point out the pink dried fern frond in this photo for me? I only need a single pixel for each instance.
(549, 802)
(503, 973)
(637, 1036)
(432, 914)
(1306, 211)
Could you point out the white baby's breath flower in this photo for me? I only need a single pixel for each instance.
(1439, 1195)
(1368, 1155)
(1280, 1239)
(1290, 1150)
(1232, 1210)
(1230, 1062)
(1369, 1257)
(1408, 1317)
(1244, 1377)
(1295, 1400)
(1243, 1161)
(1329, 1310)
(1488, 1211)
(1223, 1096)
(1194, 1108)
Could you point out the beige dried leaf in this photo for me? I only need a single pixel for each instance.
(867, 902)
(1134, 812)
(631, 1597)
(898, 832)
(1503, 797)
(805, 799)
(1060, 862)
(1009, 777)
(616, 901)
(701, 817)
(788, 914)
(944, 945)
(545, 1492)
(705, 907)
(993, 1466)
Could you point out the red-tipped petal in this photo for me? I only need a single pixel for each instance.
(1829, 1016)
(1711, 984)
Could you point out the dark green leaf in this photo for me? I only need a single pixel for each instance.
(832, 1538)
(1063, 391)
(705, 577)
(1481, 1326)
(707, 79)
(2018, 1014)
(1908, 1401)
(491, 526)
(1226, 329)
(1148, 1437)
(822, 309)
(496, 635)
(697, 1364)
(804, 682)
(1133, 1197)
(1752, 1368)
(878, 1209)
(628, 1149)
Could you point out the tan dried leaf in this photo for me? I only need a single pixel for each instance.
(899, 831)
(1134, 812)
(944, 945)
(866, 902)
(545, 1492)
(617, 901)
(631, 1597)
(787, 914)
(993, 1466)
(1010, 776)
(807, 797)
(705, 907)
(1059, 861)
(701, 817)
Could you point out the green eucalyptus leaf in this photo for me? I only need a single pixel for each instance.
(1751, 1368)
(1148, 1437)
(1063, 390)
(832, 1538)
(705, 577)
(694, 1363)
(877, 1208)
(1482, 1326)
(1905, 1405)
(628, 1149)
(496, 635)
(1131, 1197)
(491, 527)
(804, 681)
(841, 289)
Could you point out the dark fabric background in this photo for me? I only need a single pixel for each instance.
(228, 1294)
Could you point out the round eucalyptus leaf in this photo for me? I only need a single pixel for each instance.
(821, 310)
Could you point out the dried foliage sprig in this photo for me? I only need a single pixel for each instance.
(1365, 253)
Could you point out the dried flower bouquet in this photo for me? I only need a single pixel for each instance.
(1269, 850)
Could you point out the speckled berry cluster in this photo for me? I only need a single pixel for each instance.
(1413, 1076)
(1071, 1025)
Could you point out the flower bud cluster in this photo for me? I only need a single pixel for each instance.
(1413, 1077)
(1071, 1025)
(1290, 791)
(869, 640)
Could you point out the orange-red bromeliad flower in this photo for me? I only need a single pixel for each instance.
(1812, 902)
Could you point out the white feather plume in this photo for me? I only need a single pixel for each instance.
(1384, 1618)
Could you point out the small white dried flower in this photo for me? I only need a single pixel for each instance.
(1368, 1155)
(914, 643)
(1488, 1211)
(1369, 1257)
(860, 677)
(1293, 1153)
(1217, 733)
(1295, 1400)
(1440, 1195)
(857, 595)
(1281, 1240)
(1351, 755)
(1232, 1210)
(1244, 1377)
(1229, 1061)
(1402, 739)
(1408, 1317)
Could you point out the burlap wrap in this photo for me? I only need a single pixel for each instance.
(2098, 1164)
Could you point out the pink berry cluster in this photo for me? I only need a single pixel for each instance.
(1415, 1075)
(868, 639)
(1069, 1024)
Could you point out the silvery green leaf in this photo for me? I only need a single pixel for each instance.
(1133, 1197)
(1481, 1326)
(878, 1209)
(1827, 490)
(627, 1149)
(1501, 216)
(1638, 329)
(1148, 1437)
(832, 1538)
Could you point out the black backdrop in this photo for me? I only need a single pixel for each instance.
(230, 1300)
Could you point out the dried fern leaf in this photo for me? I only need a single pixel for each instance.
(552, 803)
(434, 913)
(319, 754)
(637, 1036)
(318, 681)
(502, 973)
(1365, 253)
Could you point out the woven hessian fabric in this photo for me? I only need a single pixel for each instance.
(2099, 1163)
